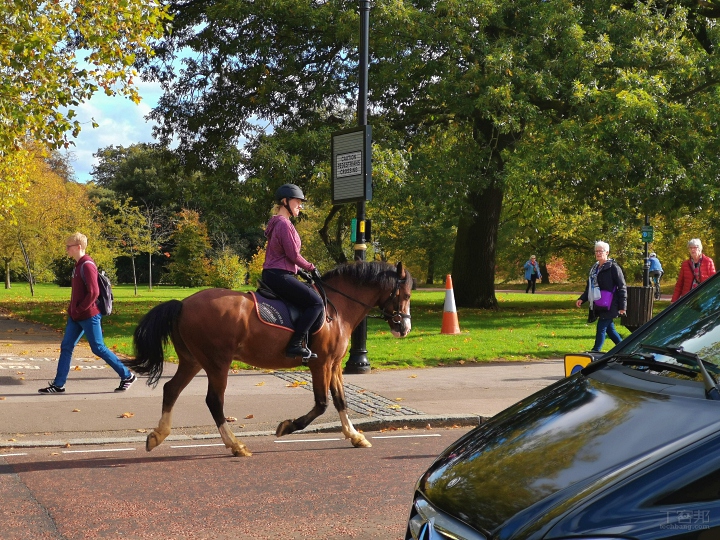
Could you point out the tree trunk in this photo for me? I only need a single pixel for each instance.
(475, 246)
(150, 270)
(132, 258)
(430, 276)
(7, 274)
(545, 274)
(27, 265)
(333, 246)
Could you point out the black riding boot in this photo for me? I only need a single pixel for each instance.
(296, 348)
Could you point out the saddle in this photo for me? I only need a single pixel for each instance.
(274, 310)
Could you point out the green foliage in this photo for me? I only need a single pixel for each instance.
(226, 271)
(600, 107)
(55, 55)
(189, 266)
(43, 72)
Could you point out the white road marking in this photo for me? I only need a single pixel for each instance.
(195, 445)
(101, 450)
(306, 440)
(6, 455)
(404, 436)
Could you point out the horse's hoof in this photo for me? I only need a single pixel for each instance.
(241, 451)
(360, 441)
(152, 441)
(285, 428)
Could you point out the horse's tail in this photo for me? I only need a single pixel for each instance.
(150, 338)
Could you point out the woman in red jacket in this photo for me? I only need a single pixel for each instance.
(694, 270)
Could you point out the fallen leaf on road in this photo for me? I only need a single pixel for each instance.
(76, 410)
(126, 415)
(428, 427)
(361, 391)
(295, 384)
(12, 440)
(230, 419)
(394, 407)
(412, 377)
(67, 445)
(77, 368)
(141, 430)
(399, 399)
(261, 383)
(2, 398)
(249, 416)
(20, 373)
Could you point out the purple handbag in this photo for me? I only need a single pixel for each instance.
(606, 298)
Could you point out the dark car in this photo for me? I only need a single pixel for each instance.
(627, 448)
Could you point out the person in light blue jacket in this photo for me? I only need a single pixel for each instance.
(655, 265)
(532, 273)
(655, 272)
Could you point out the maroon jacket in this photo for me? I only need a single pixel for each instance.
(85, 292)
(685, 279)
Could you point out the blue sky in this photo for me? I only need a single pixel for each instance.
(121, 123)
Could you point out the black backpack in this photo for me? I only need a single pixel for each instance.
(105, 299)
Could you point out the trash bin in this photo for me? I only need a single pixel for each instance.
(639, 307)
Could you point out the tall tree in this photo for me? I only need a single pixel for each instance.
(55, 55)
(190, 265)
(125, 229)
(591, 95)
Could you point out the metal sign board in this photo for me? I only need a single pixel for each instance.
(351, 165)
(646, 233)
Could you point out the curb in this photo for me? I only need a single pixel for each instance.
(369, 424)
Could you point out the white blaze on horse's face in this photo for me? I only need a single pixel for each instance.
(405, 324)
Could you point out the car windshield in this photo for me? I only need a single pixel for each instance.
(694, 326)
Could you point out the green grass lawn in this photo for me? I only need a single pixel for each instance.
(526, 327)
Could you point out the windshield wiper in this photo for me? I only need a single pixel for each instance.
(711, 386)
(648, 360)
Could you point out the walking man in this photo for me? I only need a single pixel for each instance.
(84, 318)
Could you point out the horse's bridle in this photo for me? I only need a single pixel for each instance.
(395, 317)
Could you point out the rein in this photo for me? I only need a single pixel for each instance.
(395, 316)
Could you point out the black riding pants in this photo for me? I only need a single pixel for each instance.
(286, 285)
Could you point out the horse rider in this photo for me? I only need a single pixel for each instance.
(282, 260)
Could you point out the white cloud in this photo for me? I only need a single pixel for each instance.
(120, 123)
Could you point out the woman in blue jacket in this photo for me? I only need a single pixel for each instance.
(532, 273)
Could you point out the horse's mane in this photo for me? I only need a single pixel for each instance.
(367, 273)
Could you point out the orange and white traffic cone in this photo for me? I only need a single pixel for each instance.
(450, 319)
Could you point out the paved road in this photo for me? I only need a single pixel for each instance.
(310, 486)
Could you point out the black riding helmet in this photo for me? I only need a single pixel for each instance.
(289, 191)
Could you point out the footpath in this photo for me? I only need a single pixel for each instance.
(90, 412)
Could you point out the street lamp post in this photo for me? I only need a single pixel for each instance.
(358, 361)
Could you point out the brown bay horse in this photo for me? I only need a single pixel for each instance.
(213, 327)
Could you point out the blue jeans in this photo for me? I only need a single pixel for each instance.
(605, 326)
(93, 332)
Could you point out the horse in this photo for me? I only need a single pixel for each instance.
(213, 327)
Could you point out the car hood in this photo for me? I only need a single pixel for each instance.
(514, 476)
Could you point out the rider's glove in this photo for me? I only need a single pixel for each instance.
(303, 274)
(316, 275)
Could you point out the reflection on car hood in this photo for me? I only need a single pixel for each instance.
(541, 456)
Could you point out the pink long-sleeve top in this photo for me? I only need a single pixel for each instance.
(283, 247)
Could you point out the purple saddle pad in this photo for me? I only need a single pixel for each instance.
(276, 312)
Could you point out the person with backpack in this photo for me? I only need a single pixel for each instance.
(607, 293)
(84, 318)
